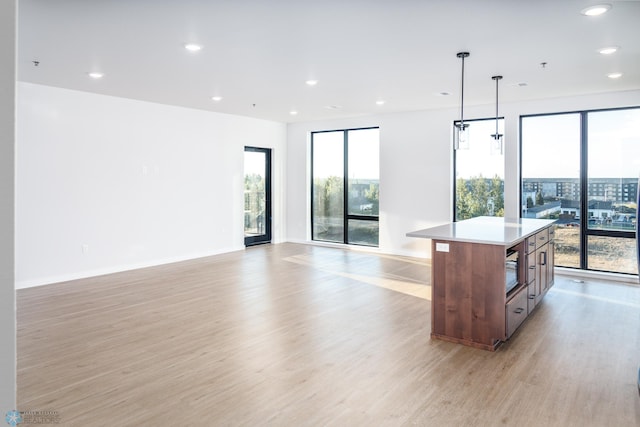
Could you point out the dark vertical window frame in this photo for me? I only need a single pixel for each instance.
(521, 202)
(345, 184)
(584, 189)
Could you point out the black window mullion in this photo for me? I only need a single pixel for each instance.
(345, 195)
(312, 190)
(584, 190)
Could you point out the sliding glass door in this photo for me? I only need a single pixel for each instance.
(257, 195)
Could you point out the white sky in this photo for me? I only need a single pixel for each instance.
(478, 159)
(364, 154)
(254, 163)
(551, 145)
(551, 148)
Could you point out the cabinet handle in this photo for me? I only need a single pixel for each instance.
(518, 310)
(532, 296)
(543, 258)
(532, 267)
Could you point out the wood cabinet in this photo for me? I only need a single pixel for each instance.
(540, 259)
(516, 310)
(468, 294)
(470, 304)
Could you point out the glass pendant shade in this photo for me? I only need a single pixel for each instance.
(497, 143)
(461, 136)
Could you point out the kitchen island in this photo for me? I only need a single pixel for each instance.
(487, 275)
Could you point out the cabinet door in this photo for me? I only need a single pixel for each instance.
(541, 271)
(550, 263)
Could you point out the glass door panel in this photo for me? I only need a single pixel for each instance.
(257, 195)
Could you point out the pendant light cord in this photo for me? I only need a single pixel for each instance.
(497, 79)
(462, 97)
(497, 105)
(462, 126)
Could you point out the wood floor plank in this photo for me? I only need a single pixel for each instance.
(294, 334)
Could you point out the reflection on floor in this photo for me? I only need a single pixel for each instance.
(294, 334)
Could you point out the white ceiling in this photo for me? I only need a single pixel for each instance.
(257, 54)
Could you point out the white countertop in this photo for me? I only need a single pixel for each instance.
(489, 230)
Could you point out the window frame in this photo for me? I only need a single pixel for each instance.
(585, 231)
(345, 185)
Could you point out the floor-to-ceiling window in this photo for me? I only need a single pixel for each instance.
(550, 170)
(345, 159)
(612, 171)
(582, 169)
(479, 172)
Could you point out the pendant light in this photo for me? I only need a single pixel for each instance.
(461, 137)
(496, 145)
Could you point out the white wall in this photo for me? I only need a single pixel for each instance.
(138, 184)
(7, 145)
(416, 166)
(107, 184)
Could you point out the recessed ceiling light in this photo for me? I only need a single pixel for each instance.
(311, 82)
(614, 75)
(608, 50)
(96, 75)
(216, 98)
(192, 47)
(333, 107)
(380, 102)
(596, 10)
(293, 113)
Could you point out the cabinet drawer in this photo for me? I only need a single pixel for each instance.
(542, 238)
(531, 267)
(531, 243)
(552, 233)
(516, 311)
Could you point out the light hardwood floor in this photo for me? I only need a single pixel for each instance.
(291, 334)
